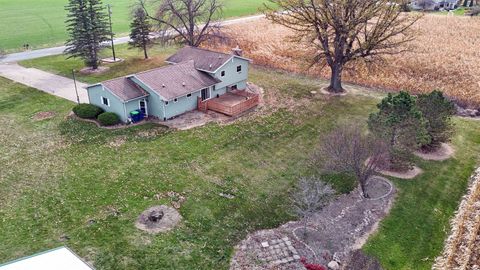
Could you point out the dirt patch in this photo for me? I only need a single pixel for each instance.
(43, 116)
(166, 220)
(118, 141)
(444, 152)
(326, 92)
(90, 71)
(342, 226)
(410, 174)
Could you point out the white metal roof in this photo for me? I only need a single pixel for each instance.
(56, 259)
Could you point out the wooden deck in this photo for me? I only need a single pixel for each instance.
(231, 103)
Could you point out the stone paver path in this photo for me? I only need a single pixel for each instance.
(44, 81)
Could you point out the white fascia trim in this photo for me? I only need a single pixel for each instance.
(226, 62)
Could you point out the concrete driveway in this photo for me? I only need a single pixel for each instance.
(44, 81)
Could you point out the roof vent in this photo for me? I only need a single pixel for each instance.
(184, 84)
(163, 85)
(211, 65)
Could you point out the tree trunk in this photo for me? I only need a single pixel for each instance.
(145, 50)
(336, 79)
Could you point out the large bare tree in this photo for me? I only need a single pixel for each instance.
(342, 31)
(194, 21)
(347, 150)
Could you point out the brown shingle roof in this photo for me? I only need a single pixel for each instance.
(124, 88)
(177, 80)
(204, 59)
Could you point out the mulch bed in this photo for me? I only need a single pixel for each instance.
(444, 152)
(344, 225)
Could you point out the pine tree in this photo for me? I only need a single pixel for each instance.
(402, 126)
(438, 111)
(87, 26)
(140, 31)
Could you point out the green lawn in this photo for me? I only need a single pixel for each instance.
(41, 23)
(134, 62)
(58, 174)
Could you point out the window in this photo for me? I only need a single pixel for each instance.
(166, 103)
(105, 101)
(189, 95)
(222, 74)
(239, 69)
(175, 100)
(214, 88)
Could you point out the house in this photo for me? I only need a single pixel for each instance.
(56, 259)
(194, 79)
(434, 4)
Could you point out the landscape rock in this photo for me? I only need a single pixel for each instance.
(333, 265)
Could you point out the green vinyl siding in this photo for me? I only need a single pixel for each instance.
(232, 77)
(95, 95)
(154, 101)
(184, 104)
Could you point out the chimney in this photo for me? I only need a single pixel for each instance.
(237, 51)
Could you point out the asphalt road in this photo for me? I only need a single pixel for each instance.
(16, 57)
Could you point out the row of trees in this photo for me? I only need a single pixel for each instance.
(190, 20)
(403, 124)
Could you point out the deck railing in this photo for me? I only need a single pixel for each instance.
(251, 100)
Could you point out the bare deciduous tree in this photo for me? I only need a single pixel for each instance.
(347, 150)
(343, 31)
(310, 196)
(191, 20)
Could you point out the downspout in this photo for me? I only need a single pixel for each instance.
(164, 113)
(125, 112)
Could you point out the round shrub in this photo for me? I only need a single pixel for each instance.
(88, 111)
(108, 119)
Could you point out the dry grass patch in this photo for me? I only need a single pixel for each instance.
(443, 56)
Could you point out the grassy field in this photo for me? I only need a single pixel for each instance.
(59, 174)
(41, 23)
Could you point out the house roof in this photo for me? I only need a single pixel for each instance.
(124, 88)
(204, 59)
(177, 80)
(56, 259)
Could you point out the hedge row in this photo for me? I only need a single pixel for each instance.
(89, 111)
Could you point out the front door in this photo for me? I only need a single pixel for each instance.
(143, 107)
(205, 94)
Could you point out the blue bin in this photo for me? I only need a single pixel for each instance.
(137, 116)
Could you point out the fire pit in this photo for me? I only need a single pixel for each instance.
(158, 219)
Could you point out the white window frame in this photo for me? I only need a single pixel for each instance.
(241, 69)
(102, 101)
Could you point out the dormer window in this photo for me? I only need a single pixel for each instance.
(222, 73)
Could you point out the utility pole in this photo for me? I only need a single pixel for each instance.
(111, 31)
(75, 83)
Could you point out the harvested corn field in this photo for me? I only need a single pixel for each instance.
(444, 55)
(462, 246)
